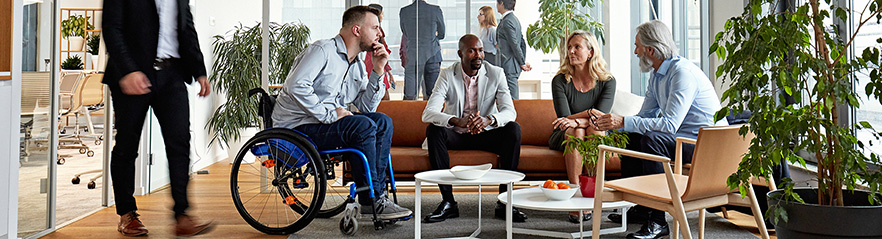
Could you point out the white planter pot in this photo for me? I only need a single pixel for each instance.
(76, 43)
(235, 146)
(94, 62)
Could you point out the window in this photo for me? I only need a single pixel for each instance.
(870, 109)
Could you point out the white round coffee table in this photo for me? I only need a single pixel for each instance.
(443, 176)
(533, 198)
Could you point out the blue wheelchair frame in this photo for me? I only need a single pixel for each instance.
(265, 109)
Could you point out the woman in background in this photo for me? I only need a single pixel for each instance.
(488, 33)
(582, 88)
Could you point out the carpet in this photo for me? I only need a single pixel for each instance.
(715, 227)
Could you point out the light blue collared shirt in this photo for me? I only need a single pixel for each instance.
(679, 100)
(321, 80)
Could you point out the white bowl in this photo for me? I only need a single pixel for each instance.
(560, 194)
(469, 172)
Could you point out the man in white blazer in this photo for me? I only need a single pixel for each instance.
(471, 109)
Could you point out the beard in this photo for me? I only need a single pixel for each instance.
(476, 63)
(367, 44)
(645, 63)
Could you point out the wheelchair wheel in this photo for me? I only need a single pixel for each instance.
(279, 193)
(337, 191)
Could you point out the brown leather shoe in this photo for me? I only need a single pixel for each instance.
(187, 226)
(130, 225)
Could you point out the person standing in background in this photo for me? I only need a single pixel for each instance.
(487, 21)
(153, 51)
(423, 55)
(387, 77)
(511, 47)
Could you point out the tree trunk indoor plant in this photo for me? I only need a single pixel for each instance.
(795, 74)
(237, 69)
(587, 147)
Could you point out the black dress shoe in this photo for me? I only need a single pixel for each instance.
(444, 211)
(635, 216)
(516, 215)
(651, 230)
(575, 219)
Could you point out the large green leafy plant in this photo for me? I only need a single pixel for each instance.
(587, 147)
(559, 18)
(237, 69)
(75, 25)
(794, 52)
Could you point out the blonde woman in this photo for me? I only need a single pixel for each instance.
(582, 89)
(488, 33)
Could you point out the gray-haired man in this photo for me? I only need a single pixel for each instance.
(679, 100)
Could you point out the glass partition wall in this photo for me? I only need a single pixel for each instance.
(62, 117)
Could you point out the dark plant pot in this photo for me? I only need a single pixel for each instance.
(857, 219)
(586, 185)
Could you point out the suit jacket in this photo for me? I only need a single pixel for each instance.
(131, 34)
(511, 46)
(431, 31)
(449, 93)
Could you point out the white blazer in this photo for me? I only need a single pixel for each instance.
(493, 96)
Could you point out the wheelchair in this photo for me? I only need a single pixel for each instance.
(288, 182)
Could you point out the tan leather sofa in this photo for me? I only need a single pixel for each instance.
(537, 161)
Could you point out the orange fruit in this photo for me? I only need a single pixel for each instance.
(549, 184)
(563, 186)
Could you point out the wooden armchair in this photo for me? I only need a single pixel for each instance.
(718, 151)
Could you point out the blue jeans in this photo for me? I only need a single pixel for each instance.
(370, 133)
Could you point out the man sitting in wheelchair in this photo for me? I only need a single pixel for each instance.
(324, 79)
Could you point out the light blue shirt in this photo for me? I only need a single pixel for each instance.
(488, 36)
(321, 80)
(679, 100)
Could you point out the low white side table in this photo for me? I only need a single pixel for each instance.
(533, 198)
(443, 176)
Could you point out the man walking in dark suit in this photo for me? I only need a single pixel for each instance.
(423, 28)
(512, 49)
(153, 51)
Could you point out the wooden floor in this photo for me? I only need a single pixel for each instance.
(210, 200)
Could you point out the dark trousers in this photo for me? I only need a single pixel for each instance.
(504, 141)
(417, 75)
(513, 85)
(168, 98)
(656, 143)
(370, 133)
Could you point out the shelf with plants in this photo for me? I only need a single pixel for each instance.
(79, 27)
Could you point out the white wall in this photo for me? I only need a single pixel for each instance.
(10, 98)
(618, 50)
(720, 12)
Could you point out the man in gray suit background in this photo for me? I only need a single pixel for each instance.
(423, 27)
(512, 49)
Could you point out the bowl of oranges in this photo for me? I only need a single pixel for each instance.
(558, 191)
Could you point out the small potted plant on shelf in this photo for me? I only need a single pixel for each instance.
(92, 47)
(73, 29)
(800, 74)
(73, 62)
(587, 147)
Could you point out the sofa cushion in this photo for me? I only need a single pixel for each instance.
(407, 123)
(535, 117)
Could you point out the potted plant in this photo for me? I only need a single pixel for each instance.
(559, 18)
(73, 62)
(237, 69)
(587, 147)
(92, 47)
(795, 75)
(74, 30)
